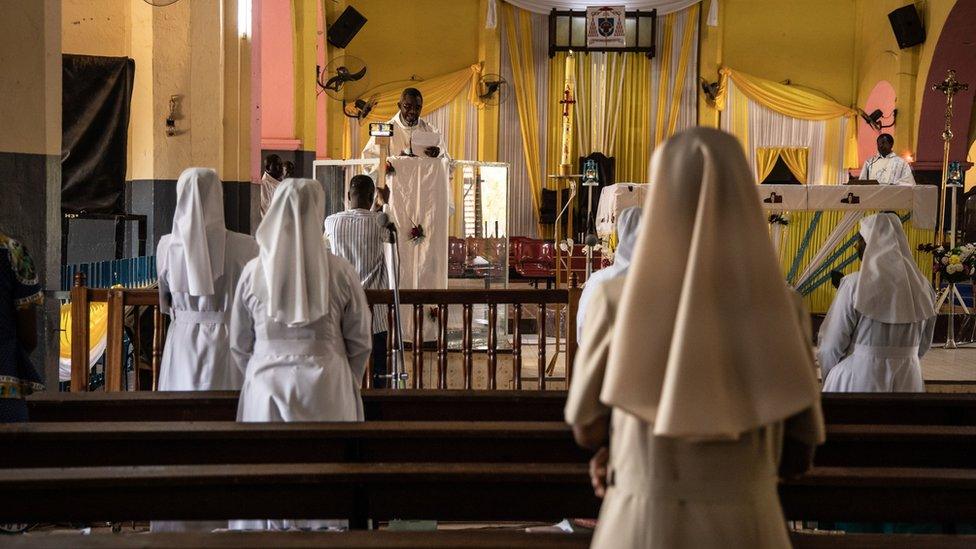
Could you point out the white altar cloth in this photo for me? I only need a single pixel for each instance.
(420, 195)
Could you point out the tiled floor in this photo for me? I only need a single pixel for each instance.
(950, 365)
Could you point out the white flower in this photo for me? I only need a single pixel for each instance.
(944, 260)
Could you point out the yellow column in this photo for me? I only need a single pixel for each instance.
(488, 53)
(335, 120)
(306, 15)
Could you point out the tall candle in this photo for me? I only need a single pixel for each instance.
(568, 100)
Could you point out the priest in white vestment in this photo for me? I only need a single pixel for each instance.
(882, 320)
(199, 264)
(405, 123)
(627, 225)
(886, 167)
(698, 360)
(300, 328)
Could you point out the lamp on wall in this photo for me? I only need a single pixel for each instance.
(244, 18)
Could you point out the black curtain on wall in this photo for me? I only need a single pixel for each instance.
(95, 101)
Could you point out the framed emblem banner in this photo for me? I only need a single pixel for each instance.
(609, 29)
(605, 27)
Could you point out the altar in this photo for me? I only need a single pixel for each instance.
(812, 227)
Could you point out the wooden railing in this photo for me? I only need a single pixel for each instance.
(416, 300)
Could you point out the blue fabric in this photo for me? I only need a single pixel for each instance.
(13, 410)
(19, 288)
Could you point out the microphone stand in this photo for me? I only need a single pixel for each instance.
(398, 377)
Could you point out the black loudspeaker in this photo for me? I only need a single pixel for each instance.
(907, 26)
(345, 28)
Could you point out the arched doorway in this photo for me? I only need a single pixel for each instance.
(956, 49)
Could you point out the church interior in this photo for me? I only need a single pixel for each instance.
(532, 248)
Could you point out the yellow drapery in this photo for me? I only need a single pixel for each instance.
(518, 33)
(97, 328)
(793, 102)
(660, 129)
(795, 159)
(687, 47)
(437, 92)
(782, 98)
(634, 139)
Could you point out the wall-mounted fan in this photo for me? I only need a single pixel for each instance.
(160, 3)
(360, 108)
(710, 89)
(344, 77)
(874, 119)
(493, 90)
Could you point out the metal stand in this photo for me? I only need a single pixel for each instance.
(950, 87)
(398, 377)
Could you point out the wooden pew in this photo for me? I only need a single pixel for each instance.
(475, 539)
(377, 539)
(379, 404)
(874, 541)
(77, 444)
(167, 443)
(435, 405)
(463, 492)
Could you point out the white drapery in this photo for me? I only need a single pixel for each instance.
(601, 99)
(767, 128)
(522, 218)
(662, 6)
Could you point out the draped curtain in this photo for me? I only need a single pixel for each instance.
(795, 159)
(626, 103)
(765, 114)
(437, 92)
(521, 56)
(522, 213)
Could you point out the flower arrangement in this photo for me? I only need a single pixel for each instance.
(955, 265)
(779, 219)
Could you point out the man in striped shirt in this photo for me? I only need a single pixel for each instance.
(355, 236)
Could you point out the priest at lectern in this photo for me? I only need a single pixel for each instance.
(407, 124)
(418, 175)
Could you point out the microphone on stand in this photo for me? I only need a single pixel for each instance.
(399, 375)
(383, 220)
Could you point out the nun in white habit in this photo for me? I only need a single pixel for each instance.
(300, 328)
(199, 264)
(627, 225)
(706, 387)
(882, 320)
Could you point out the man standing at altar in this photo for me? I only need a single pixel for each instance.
(407, 123)
(886, 167)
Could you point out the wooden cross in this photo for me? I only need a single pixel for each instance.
(566, 101)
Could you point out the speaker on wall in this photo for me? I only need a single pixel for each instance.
(907, 26)
(345, 27)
